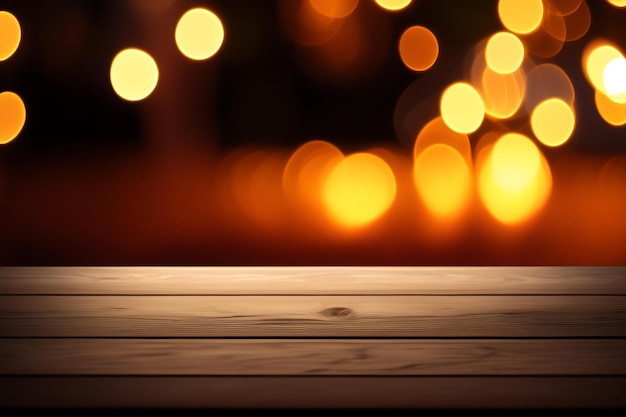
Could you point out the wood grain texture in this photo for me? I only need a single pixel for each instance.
(311, 357)
(320, 337)
(312, 280)
(313, 316)
(314, 392)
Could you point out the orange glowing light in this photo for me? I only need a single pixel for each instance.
(548, 81)
(336, 9)
(305, 173)
(443, 182)
(577, 23)
(564, 7)
(502, 94)
(462, 108)
(553, 122)
(541, 43)
(514, 179)
(437, 132)
(359, 189)
(306, 26)
(394, 5)
(418, 48)
(613, 113)
(504, 52)
(614, 80)
(10, 35)
(596, 57)
(134, 74)
(520, 16)
(515, 161)
(199, 34)
(617, 3)
(12, 116)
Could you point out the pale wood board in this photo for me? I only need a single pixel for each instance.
(313, 316)
(214, 280)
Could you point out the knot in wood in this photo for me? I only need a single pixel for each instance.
(337, 312)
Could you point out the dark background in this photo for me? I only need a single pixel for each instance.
(260, 92)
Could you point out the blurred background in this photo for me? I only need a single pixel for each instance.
(313, 132)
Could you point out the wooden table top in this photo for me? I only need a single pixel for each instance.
(313, 337)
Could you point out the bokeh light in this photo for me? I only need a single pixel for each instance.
(336, 9)
(514, 179)
(199, 34)
(504, 52)
(564, 7)
(502, 94)
(553, 122)
(462, 108)
(577, 23)
(10, 35)
(305, 26)
(611, 112)
(614, 79)
(617, 3)
(134, 74)
(520, 16)
(394, 5)
(548, 81)
(437, 132)
(443, 181)
(549, 39)
(305, 173)
(418, 48)
(514, 160)
(596, 56)
(359, 189)
(12, 116)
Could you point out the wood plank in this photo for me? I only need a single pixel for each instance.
(313, 392)
(312, 280)
(313, 316)
(311, 357)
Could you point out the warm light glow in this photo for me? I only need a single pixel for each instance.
(393, 5)
(12, 116)
(549, 38)
(442, 179)
(337, 9)
(10, 35)
(577, 23)
(306, 26)
(614, 80)
(134, 74)
(359, 189)
(613, 113)
(199, 34)
(437, 132)
(564, 7)
(418, 48)
(305, 173)
(617, 3)
(553, 122)
(461, 107)
(502, 94)
(595, 61)
(548, 81)
(504, 53)
(515, 182)
(520, 16)
(515, 161)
